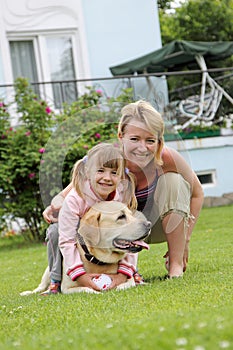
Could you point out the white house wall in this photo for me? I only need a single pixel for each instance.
(28, 18)
(118, 31)
(107, 31)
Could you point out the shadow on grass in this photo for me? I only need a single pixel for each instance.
(156, 278)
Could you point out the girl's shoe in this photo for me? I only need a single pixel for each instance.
(138, 278)
(54, 288)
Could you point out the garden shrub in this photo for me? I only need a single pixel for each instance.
(37, 155)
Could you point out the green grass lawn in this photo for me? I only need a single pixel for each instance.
(193, 313)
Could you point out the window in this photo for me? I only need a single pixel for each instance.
(207, 178)
(23, 60)
(47, 59)
(61, 64)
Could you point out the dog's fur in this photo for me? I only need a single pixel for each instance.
(109, 230)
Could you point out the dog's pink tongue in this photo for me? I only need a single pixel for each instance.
(142, 244)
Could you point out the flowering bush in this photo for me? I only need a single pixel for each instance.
(20, 153)
(38, 154)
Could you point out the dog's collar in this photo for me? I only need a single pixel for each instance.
(88, 255)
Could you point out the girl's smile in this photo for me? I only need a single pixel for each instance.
(106, 181)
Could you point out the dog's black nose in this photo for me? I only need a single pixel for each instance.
(148, 224)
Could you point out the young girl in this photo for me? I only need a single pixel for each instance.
(99, 176)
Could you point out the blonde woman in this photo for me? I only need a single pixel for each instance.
(168, 191)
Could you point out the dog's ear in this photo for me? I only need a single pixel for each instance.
(89, 227)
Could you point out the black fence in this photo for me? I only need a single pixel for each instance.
(164, 90)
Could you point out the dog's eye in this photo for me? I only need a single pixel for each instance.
(121, 217)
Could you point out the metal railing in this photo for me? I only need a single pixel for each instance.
(152, 87)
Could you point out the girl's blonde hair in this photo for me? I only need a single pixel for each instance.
(104, 155)
(144, 112)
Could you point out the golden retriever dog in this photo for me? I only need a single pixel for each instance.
(107, 232)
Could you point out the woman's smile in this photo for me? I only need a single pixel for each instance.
(139, 144)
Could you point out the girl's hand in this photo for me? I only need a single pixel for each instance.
(50, 215)
(117, 279)
(86, 281)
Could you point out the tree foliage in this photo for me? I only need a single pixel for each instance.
(164, 4)
(198, 20)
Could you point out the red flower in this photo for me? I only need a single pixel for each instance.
(99, 92)
(42, 150)
(48, 110)
(97, 135)
(31, 175)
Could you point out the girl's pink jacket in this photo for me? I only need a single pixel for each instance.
(73, 209)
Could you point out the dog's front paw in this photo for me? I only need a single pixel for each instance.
(129, 284)
(90, 290)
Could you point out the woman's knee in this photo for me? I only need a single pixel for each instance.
(172, 194)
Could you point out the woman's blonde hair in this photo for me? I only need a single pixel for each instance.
(144, 112)
(104, 155)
